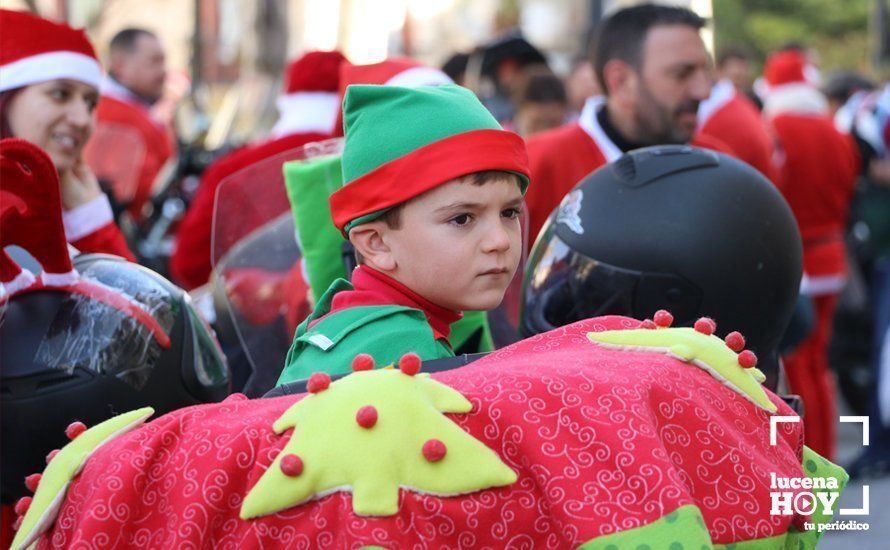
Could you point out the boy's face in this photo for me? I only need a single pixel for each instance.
(459, 244)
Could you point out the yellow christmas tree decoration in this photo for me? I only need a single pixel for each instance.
(705, 351)
(371, 433)
(64, 467)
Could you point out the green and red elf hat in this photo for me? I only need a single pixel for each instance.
(402, 142)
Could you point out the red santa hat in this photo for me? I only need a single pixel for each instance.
(785, 67)
(310, 102)
(34, 50)
(31, 217)
(790, 84)
(398, 71)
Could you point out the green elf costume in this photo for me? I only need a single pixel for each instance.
(400, 143)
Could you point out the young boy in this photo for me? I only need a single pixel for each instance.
(431, 204)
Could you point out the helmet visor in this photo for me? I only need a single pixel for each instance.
(563, 286)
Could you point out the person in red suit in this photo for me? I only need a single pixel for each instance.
(817, 173)
(652, 66)
(48, 94)
(729, 116)
(135, 83)
(308, 111)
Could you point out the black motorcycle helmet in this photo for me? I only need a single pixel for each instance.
(66, 357)
(671, 227)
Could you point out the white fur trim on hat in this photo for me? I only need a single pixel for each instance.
(20, 282)
(797, 98)
(50, 66)
(419, 76)
(306, 112)
(59, 279)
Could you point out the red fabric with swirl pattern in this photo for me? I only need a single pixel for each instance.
(602, 441)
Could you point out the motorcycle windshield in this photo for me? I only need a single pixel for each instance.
(115, 153)
(260, 292)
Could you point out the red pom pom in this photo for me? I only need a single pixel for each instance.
(705, 325)
(434, 450)
(663, 318)
(362, 361)
(647, 324)
(75, 429)
(22, 505)
(366, 416)
(32, 481)
(52, 454)
(318, 382)
(291, 465)
(410, 363)
(735, 341)
(747, 359)
(18, 523)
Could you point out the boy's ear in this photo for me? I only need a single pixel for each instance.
(368, 241)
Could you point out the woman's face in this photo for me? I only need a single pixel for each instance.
(57, 116)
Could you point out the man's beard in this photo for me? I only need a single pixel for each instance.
(659, 124)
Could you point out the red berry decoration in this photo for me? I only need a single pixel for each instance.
(747, 359)
(22, 505)
(18, 523)
(410, 363)
(366, 416)
(663, 318)
(75, 429)
(362, 361)
(291, 465)
(648, 324)
(434, 450)
(52, 454)
(735, 341)
(32, 481)
(318, 382)
(705, 325)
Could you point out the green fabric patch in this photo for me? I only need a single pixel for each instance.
(707, 352)
(351, 331)
(383, 123)
(309, 184)
(682, 529)
(468, 325)
(373, 462)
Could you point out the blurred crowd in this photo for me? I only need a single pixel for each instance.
(131, 188)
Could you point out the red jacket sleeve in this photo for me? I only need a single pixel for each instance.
(108, 239)
(90, 228)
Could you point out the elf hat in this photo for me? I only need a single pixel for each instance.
(397, 71)
(34, 50)
(310, 102)
(402, 142)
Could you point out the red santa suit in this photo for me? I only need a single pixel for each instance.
(561, 157)
(734, 119)
(308, 111)
(150, 145)
(817, 173)
(35, 50)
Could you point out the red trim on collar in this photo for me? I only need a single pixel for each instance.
(373, 288)
(426, 168)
